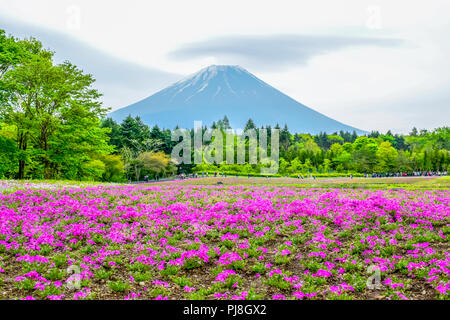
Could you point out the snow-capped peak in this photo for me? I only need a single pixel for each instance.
(197, 82)
(210, 72)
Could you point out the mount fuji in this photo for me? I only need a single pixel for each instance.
(216, 91)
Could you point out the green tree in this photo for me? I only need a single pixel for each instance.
(78, 140)
(157, 163)
(364, 154)
(115, 137)
(15, 51)
(249, 125)
(386, 157)
(114, 168)
(40, 96)
(133, 132)
(8, 157)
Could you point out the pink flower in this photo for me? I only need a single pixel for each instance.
(132, 296)
(223, 276)
(335, 289)
(161, 283)
(322, 273)
(188, 289)
(228, 258)
(242, 296)
(299, 295)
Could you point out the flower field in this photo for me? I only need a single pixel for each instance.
(223, 242)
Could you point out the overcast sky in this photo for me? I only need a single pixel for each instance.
(375, 65)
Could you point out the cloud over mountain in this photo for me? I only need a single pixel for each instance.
(273, 51)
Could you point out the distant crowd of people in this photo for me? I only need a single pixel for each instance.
(406, 174)
(300, 176)
(146, 178)
(202, 174)
(195, 175)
